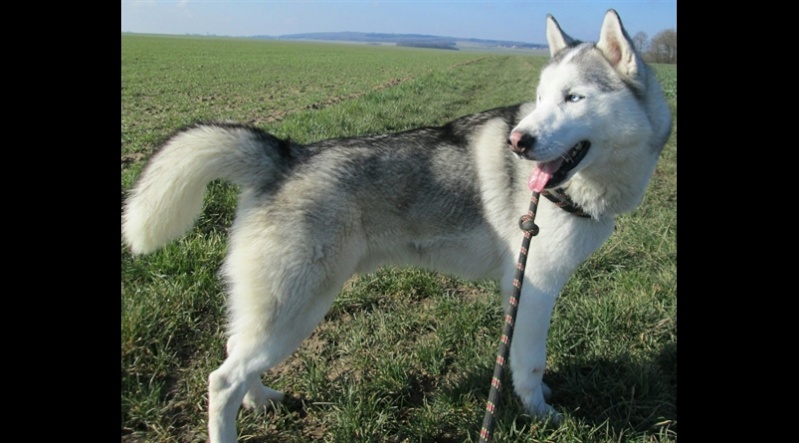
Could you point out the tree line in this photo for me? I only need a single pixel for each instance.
(432, 44)
(662, 48)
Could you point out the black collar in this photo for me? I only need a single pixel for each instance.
(562, 200)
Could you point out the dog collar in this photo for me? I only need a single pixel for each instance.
(562, 200)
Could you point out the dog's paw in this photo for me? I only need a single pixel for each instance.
(539, 409)
(544, 412)
(262, 398)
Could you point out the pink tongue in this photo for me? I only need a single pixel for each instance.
(542, 173)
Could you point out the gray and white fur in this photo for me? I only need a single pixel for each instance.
(443, 198)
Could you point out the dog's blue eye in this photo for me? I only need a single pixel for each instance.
(574, 98)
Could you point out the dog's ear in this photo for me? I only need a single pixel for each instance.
(556, 38)
(617, 46)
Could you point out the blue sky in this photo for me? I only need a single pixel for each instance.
(522, 21)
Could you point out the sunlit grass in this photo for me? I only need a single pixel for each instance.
(403, 355)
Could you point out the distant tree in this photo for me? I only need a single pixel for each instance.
(641, 40)
(663, 47)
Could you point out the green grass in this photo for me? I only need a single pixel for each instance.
(403, 355)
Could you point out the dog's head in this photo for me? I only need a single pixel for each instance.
(594, 107)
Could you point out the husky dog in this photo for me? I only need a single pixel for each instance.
(443, 198)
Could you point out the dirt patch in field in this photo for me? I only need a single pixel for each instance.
(127, 159)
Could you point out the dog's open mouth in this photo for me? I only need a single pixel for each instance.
(552, 173)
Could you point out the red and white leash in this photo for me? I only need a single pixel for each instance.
(527, 224)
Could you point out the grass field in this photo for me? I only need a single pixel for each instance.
(404, 355)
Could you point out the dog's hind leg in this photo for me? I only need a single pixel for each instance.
(226, 389)
(237, 382)
(258, 395)
(281, 284)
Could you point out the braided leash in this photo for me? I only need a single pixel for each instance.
(527, 224)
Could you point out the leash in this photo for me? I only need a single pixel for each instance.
(527, 224)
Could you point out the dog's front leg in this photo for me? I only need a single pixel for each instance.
(528, 350)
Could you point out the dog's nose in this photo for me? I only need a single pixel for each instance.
(520, 142)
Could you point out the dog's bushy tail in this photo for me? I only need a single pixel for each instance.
(168, 195)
